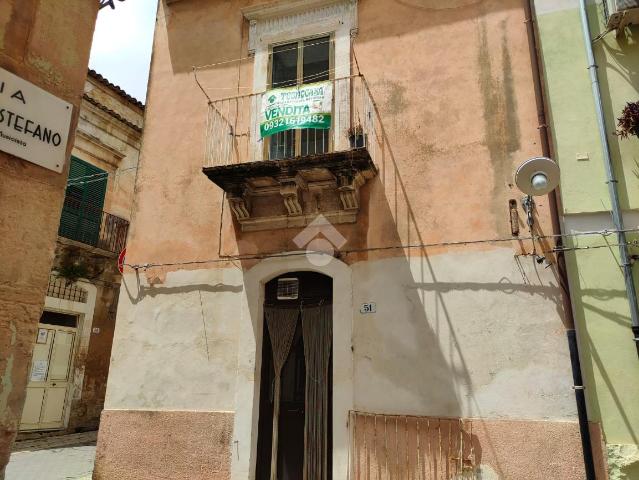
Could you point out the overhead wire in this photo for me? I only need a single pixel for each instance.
(282, 84)
(314, 76)
(97, 177)
(230, 258)
(256, 256)
(250, 57)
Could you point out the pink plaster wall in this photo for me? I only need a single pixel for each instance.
(455, 92)
(386, 446)
(149, 445)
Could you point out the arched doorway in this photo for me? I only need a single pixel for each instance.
(296, 378)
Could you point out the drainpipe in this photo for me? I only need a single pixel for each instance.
(611, 180)
(554, 200)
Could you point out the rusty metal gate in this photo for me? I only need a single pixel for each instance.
(398, 447)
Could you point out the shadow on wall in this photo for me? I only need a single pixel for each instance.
(223, 25)
(220, 23)
(389, 215)
(618, 61)
(143, 291)
(424, 371)
(598, 366)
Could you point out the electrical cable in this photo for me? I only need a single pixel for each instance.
(634, 243)
(240, 59)
(228, 258)
(306, 78)
(283, 84)
(101, 176)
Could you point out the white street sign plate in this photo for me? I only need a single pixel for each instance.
(34, 125)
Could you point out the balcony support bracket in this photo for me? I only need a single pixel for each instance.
(290, 193)
(240, 205)
(348, 189)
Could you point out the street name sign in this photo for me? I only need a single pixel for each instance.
(34, 125)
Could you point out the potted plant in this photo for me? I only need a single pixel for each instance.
(356, 136)
(628, 123)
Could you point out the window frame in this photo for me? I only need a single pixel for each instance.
(297, 151)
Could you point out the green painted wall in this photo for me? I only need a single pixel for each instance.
(609, 357)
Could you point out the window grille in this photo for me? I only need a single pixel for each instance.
(288, 288)
(61, 288)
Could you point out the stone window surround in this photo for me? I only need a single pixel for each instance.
(249, 366)
(284, 21)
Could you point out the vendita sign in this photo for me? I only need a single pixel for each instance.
(304, 106)
(34, 125)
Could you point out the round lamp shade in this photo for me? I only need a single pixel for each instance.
(537, 176)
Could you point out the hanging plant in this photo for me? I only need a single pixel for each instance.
(356, 136)
(72, 270)
(628, 123)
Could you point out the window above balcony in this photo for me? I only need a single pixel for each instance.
(283, 161)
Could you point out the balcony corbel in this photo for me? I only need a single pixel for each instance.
(240, 205)
(290, 191)
(349, 185)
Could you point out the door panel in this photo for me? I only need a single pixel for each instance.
(49, 378)
(32, 406)
(53, 406)
(40, 359)
(61, 356)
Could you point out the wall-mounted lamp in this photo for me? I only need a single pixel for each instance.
(537, 176)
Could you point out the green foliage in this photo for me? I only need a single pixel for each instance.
(73, 270)
(628, 123)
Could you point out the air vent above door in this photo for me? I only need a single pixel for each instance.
(288, 288)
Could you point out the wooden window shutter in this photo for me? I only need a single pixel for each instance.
(83, 202)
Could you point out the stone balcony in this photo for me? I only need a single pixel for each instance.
(285, 181)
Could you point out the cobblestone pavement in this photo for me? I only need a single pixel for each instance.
(68, 457)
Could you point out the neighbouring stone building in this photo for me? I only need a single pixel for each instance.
(600, 298)
(47, 44)
(70, 363)
(358, 299)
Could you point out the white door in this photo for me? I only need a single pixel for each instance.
(49, 378)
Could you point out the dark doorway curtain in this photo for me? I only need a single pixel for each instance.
(317, 327)
(295, 419)
(281, 323)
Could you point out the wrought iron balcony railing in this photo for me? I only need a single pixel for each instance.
(88, 224)
(233, 129)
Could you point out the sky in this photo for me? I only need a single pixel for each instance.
(122, 41)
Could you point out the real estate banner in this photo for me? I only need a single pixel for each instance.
(304, 106)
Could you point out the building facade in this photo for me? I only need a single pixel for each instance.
(601, 303)
(46, 44)
(72, 348)
(356, 297)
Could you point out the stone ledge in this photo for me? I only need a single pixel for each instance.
(290, 193)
